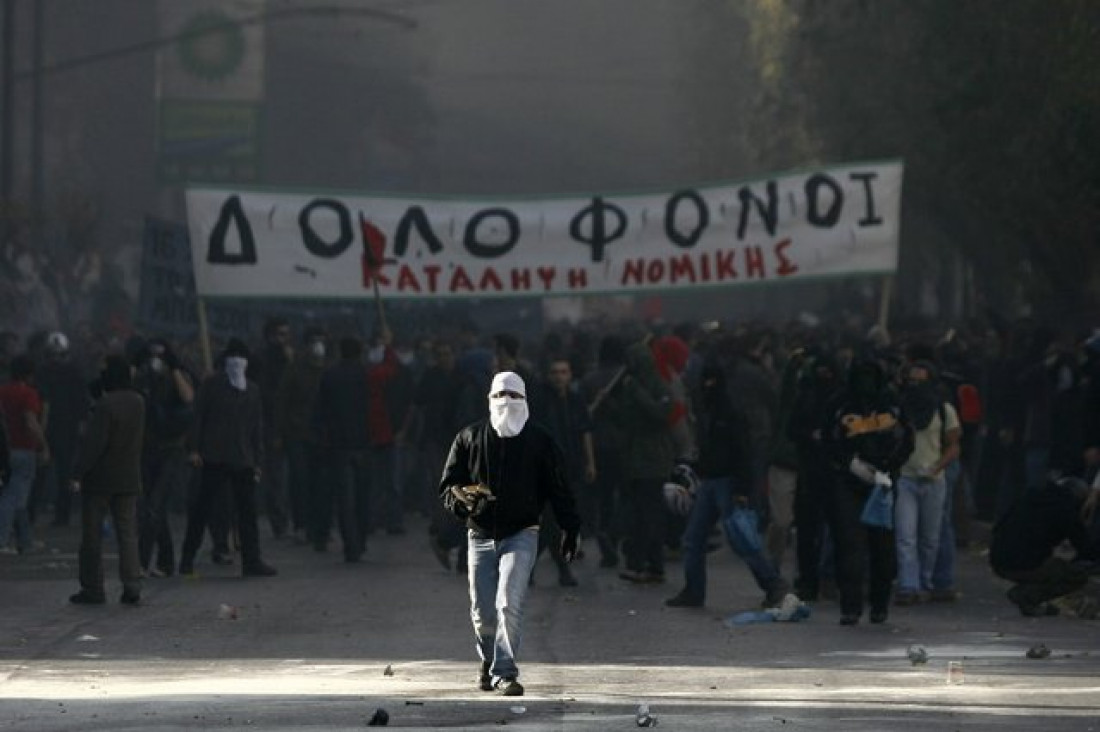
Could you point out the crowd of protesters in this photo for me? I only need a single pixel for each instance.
(666, 433)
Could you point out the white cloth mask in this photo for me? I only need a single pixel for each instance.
(234, 369)
(376, 354)
(317, 348)
(507, 415)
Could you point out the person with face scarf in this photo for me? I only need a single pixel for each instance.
(867, 440)
(499, 475)
(169, 398)
(922, 487)
(226, 443)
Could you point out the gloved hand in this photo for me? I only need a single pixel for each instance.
(882, 480)
(569, 543)
(862, 470)
(473, 499)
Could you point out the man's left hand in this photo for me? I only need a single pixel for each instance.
(569, 542)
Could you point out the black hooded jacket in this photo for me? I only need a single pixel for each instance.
(723, 432)
(523, 472)
(865, 420)
(1037, 524)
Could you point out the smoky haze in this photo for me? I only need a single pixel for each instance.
(523, 97)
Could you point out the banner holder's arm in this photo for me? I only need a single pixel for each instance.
(204, 337)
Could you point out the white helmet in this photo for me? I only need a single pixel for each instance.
(680, 489)
(57, 343)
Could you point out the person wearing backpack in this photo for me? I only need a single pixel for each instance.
(922, 486)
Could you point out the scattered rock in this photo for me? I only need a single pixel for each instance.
(918, 656)
(643, 718)
(381, 718)
(388, 671)
(1038, 651)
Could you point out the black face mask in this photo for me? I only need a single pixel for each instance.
(865, 385)
(919, 402)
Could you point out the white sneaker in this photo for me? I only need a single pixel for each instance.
(786, 609)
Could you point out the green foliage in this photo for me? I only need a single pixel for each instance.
(995, 107)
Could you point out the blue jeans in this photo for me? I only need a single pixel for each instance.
(714, 500)
(918, 519)
(13, 500)
(1036, 466)
(943, 573)
(499, 572)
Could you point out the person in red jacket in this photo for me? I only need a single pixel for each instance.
(22, 410)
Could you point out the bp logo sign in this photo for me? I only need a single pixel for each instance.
(211, 46)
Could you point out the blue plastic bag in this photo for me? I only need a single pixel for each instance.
(742, 529)
(878, 511)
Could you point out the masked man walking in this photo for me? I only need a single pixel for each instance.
(499, 475)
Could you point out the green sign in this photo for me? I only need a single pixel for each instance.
(209, 141)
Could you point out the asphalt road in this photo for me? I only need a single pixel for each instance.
(309, 649)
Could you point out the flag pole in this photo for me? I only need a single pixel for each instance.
(204, 336)
(886, 295)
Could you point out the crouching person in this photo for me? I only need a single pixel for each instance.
(499, 475)
(1024, 540)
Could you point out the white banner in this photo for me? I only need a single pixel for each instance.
(831, 221)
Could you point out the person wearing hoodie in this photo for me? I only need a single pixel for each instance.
(340, 416)
(783, 464)
(725, 471)
(107, 475)
(500, 474)
(226, 443)
(867, 440)
(818, 384)
(275, 359)
(65, 405)
(1024, 540)
(295, 398)
(609, 443)
(642, 402)
(169, 401)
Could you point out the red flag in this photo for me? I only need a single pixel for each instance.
(374, 250)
